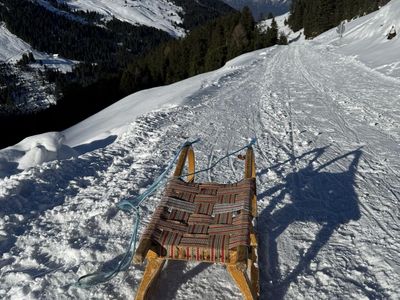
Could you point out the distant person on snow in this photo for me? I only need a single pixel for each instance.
(392, 33)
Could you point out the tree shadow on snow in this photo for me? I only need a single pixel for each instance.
(326, 198)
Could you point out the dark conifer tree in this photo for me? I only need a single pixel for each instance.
(282, 39)
(317, 16)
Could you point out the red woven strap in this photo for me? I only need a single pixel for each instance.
(202, 221)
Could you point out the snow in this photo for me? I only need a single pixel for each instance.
(366, 39)
(327, 157)
(12, 48)
(160, 14)
(103, 126)
(282, 28)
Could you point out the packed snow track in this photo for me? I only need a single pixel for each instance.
(327, 178)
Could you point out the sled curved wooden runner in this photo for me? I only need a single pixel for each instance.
(205, 222)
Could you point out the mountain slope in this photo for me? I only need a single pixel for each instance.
(367, 37)
(126, 26)
(327, 180)
(162, 14)
(262, 7)
(171, 16)
(103, 36)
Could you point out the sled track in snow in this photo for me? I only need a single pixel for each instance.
(327, 179)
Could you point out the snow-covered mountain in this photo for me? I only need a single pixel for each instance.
(12, 48)
(103, 32)
(166, 15)
(30, 90)
(161, 14)
(261, 8)
(326, 114)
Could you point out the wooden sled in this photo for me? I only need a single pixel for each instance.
(205, 222)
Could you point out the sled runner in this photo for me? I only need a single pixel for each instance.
(205, 222)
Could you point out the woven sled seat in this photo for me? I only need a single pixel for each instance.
(206, 222)
(202, 221)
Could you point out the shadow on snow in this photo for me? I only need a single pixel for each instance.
(318, 196)
(50, 187)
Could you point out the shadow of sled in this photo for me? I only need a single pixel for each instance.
(328, 199)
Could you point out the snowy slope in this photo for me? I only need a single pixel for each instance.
(161, 14)
(327, 178)
(12, 48)
(103, 126)
(365, 38)
(282, 28)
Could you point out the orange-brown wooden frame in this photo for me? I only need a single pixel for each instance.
(242, 264)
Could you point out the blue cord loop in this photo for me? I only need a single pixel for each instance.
(134, 205)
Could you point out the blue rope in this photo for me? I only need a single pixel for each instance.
(134, 205)
(251, 143)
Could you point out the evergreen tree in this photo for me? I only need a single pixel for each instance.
(272, 34)
(317, 16)
(282, 39)
(204, 49)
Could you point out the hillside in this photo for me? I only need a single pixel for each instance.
(261, 8)
(327, 122)
(92, 87)
(318, 16)
(92, 41)
(162, 14)
(173, 16)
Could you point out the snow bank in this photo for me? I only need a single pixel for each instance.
(104, 124)
(366, 39)
(33, 151)
(112, 121)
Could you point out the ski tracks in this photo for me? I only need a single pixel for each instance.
(327, 178)
(335, 109)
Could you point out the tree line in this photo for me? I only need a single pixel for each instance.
(204, 49)
(317, 16)
(199, 12)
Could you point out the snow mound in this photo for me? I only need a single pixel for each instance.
(33, 151)
(104, 124)
(366, 38)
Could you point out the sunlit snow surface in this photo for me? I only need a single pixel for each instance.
(366, 40)
(328, 127)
